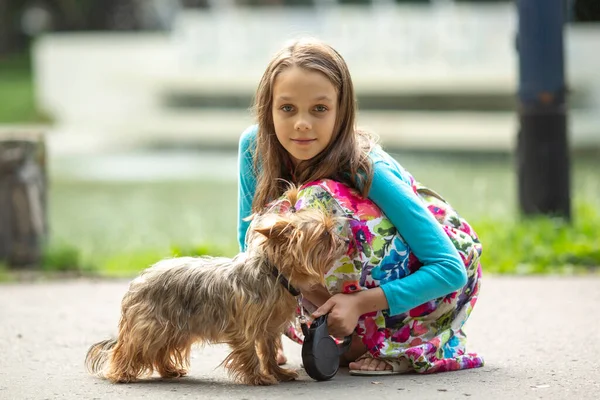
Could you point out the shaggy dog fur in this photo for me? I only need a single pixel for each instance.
(181, 301)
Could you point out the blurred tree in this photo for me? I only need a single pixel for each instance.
(276, 2)
(299, 2)
(95, 14)
(10, 38)
(19, 19)
(586, 10)
(360, 2)
(195, 3)
(259, 2)
(542, 152)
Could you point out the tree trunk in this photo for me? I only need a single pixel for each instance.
(23, 223)
(4, 27)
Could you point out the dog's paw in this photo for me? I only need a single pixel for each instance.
(286, 375)
(122, 378)
(172, 374)
(261, 380)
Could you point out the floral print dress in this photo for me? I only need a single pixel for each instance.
(430, 337)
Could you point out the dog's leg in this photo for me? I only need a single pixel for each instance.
(172, 360)
(267, 350)
(243, 364)
(139, 344)
(126, 363)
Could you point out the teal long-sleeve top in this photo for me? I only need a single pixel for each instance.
(442, 272)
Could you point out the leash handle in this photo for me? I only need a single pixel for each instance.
(345, 345)
(320, 352)
(304, 327)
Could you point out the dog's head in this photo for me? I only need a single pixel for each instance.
(302, 244)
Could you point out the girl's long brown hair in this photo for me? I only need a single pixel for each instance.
(346, 157)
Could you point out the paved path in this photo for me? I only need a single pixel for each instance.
(540, 337)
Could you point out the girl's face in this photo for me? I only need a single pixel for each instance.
(304, 112)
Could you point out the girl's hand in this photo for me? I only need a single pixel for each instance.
(344, 311)
(317, 295)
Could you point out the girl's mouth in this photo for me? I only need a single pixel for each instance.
(303, 141)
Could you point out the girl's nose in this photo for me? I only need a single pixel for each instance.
(302, 125)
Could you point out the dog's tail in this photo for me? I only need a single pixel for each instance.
(98, 355)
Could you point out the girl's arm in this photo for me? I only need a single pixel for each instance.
(443, 271)
(246, 182)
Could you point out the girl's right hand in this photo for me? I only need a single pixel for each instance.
(344, 312)
(317, 295)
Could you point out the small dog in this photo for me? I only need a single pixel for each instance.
(241, 301)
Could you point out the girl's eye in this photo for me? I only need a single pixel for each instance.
(321, 108)
(286, 108)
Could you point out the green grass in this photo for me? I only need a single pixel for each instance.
(5, 273)
(523, 247)
(542, 245)
(118, 227)
(17, 101)
(538, 245)
(128, 264)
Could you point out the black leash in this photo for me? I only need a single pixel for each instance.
(286, 284)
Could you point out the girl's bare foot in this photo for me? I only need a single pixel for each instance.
(369, 364)
(281, 358)
(357, 349)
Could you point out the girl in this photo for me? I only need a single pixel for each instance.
(306, 132)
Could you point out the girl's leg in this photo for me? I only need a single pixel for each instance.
(357, 349)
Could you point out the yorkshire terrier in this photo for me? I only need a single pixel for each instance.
(245, 302)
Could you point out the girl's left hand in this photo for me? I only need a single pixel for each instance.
(344, 311)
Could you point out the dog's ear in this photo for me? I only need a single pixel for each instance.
(274, 227)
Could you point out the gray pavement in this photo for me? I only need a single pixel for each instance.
(540, 338)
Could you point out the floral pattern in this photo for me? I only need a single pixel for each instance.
(429, 336)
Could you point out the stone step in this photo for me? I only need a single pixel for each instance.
(436, 131)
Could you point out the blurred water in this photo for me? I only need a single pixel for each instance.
(151, 200)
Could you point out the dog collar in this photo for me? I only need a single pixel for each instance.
(286, 284)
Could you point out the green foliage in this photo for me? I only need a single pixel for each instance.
(5, 275)
(17, 92)
(130, 263)
(205, 249)
(63, 258)
(538, 245)
(542, 245)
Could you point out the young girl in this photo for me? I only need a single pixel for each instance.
(306, 109)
